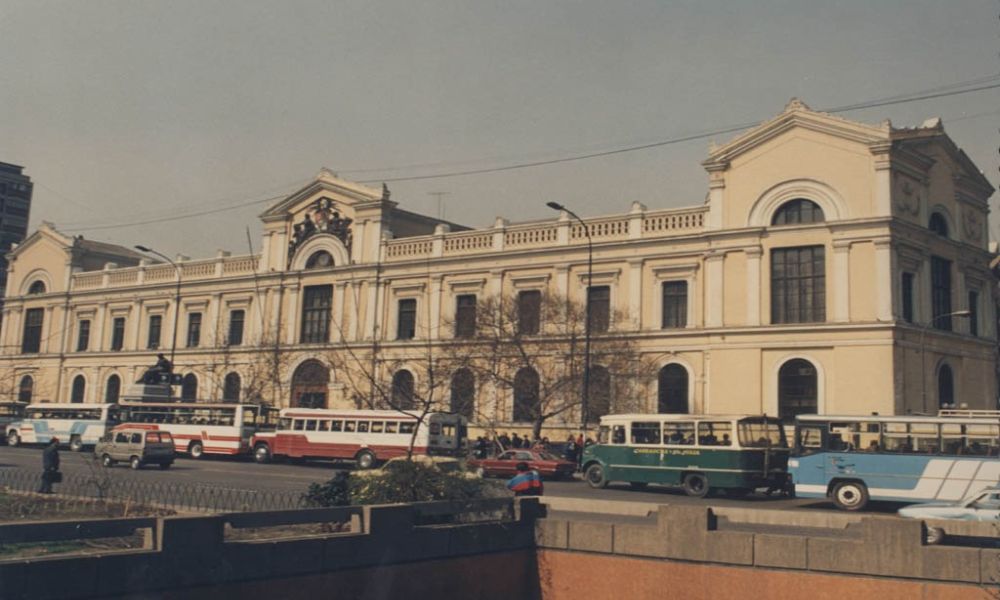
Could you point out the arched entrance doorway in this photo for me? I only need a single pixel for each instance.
(309, 385)
(798, 389)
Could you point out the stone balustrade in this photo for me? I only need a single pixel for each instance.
(194, 270)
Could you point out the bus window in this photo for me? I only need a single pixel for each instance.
(602, 435)
(324, 425)
(298, 424)
(377, 426)
(925, 437)
(407, 427)
(678, 433)
(311, 425)
(810, 440)
(618, 434)
(952, 439)
(390, 426)
(249, 416)
(646, 433)
(982, 439)
(363, 426)
(761, 434)
(284, 423)
(350, 426)
(715, 433)
(435, 429)
(895, 438)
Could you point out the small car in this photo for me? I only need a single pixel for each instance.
(137, 446)
(548, 465)
(980, 506)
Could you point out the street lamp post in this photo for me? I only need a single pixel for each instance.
(587, 324)
(923, 351)
(177, 296)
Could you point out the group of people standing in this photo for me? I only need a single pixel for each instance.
(571, 449)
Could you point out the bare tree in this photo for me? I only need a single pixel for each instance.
(538, 355)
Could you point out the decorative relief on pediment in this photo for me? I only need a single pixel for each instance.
(907, 195)
(322, 217)
(972, 225)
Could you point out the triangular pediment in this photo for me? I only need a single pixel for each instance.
(45, 234)
(326, 184)
(932, 132)
(797, 115)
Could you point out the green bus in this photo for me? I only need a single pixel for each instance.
(700, 453)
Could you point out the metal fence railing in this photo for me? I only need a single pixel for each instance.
(154, 494)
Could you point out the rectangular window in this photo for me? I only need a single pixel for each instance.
(194, 330)
(406, 322)
(974, 313)
(83, 335)
(31, 341)
(529, 312)
(118, 333)
(678, 433)
(940, 293)
(908, 297)
(236, 327)
(675, 304)
(599, 307)
(798, 285)
(646, 433)
(316, 303)
(153, 339)
(465, 316)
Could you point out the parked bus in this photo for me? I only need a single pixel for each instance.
(200, 428)
(854, 459)
(367, 437)
(77, 425)
(701, 453)
(10, 412)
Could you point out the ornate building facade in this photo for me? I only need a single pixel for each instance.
(835, 267)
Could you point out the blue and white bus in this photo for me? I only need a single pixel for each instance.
(9, 413)
(76, 425)
(854, 459)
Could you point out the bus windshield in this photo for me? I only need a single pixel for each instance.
(761, 434)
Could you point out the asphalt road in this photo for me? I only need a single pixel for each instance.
(244, 474)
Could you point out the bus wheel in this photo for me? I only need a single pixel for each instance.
(595, 476)
(638, 485)
(196, 450)
(696, 485)
(262, 454)
(850, 495)
(365, 460)
(13, 439)
(75, 443)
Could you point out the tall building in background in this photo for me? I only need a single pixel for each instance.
(15, 206)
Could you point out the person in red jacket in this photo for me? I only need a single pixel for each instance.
(527, 482)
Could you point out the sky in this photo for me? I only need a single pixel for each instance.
(127, 113)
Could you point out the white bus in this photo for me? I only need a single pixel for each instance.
(200, 428)
(77, 425)
(365, 436)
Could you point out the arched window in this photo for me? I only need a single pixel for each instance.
(798, 389)
(797, 212)
(25, 388)
(672, 395)
(525, 395)
(463, 393)
(946, 387)
(938, 224)
(599, 402)
(79, 389)
(112, 389)
(231, 388)
(319, 260)
(402, 390)
(189, 387)
(37, 287)
(309, 385)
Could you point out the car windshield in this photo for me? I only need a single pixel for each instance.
(546, 456)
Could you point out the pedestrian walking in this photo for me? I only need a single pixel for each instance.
(527, 482)
(50, 467)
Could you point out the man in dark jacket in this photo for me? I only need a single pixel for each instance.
(50, 466)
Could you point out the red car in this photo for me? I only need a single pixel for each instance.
(505, 464)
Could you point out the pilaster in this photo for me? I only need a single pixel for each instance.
(841, 281)
(753, 285)
(714, 291)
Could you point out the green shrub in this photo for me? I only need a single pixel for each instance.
(405, 482)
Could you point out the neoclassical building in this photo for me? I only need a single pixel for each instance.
(835, 267)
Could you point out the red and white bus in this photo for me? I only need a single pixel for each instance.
(198, 428)
(367, 437)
